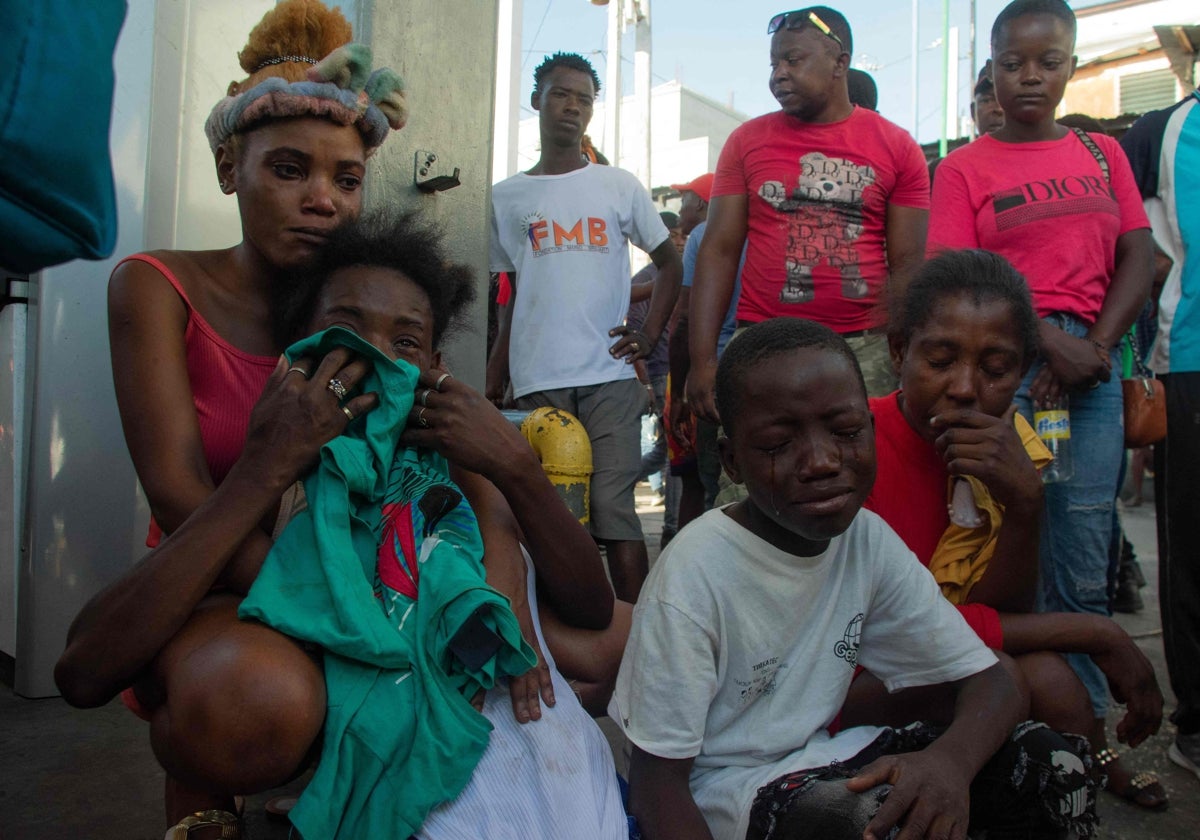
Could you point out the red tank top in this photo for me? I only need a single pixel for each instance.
(226, 383)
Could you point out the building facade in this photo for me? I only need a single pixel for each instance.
(1134, 56)
(687, 131)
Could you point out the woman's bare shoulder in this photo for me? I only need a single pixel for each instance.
(191, 270)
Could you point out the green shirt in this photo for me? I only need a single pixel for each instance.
(400, 733)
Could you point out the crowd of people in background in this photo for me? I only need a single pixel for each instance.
(872, 611)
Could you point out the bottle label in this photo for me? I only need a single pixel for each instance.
(1053, 425)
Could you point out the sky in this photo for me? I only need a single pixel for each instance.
(719, 48)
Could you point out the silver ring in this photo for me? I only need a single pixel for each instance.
(635, 345)
(421, 421)
(349, 414)
(423, 397)
(437, 386)
(337, 387)
(297, 369)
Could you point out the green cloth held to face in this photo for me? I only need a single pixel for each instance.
(384, 571)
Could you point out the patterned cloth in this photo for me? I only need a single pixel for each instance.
(1039, 784)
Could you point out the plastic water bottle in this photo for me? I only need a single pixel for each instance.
(1053, 425)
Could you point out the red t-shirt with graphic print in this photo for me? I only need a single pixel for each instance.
(1044, 206)
(818, 196)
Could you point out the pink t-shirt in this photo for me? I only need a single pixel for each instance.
(818, 198)
(1046, 207)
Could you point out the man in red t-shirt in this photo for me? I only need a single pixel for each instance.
(831, 200)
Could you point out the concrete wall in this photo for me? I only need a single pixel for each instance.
(702, 117)
(1096, 90)
(451, 101)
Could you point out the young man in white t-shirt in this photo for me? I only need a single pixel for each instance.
(749, 629)
(564, 227)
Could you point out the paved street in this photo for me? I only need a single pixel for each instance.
(89, 775)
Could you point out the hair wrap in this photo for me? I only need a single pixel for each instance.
(340, 88)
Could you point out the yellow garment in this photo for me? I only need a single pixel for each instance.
(962, 554)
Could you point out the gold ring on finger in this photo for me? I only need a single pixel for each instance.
(335, 385)
(349, 414)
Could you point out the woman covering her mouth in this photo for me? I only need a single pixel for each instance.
(193, 346)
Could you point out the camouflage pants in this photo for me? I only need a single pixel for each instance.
(1038, 786)
(875, 362)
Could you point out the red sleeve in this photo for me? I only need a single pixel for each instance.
(985, 621)
(730, 178)
(1125, 189)
(912, 175)
(504, 292)
(951, 219)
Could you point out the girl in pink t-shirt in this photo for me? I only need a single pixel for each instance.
(1062, 207)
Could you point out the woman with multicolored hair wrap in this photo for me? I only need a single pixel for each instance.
(193, 345)
(218, 424)
(191, 331)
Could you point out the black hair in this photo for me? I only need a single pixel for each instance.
(671, 220)
(1085, 121)
(407, 243)
(1021, 8)
(981, 275)
(764, 341)
(832, 18)
(983, 82)
(572, 61)
(863, 91)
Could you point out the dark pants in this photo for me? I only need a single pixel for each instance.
(708, 459)
(1036, 786)
(1177, 504)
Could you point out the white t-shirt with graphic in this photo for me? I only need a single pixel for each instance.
(741, 655)
(566, 237)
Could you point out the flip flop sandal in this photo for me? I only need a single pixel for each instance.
(230, 825)
(1144, 790)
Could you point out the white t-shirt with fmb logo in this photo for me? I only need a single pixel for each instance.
(566, 237)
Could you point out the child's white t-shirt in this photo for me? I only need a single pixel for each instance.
(566, 236)
(741, 655)
(543, 780)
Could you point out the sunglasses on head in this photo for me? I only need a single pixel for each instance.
(784, 20)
